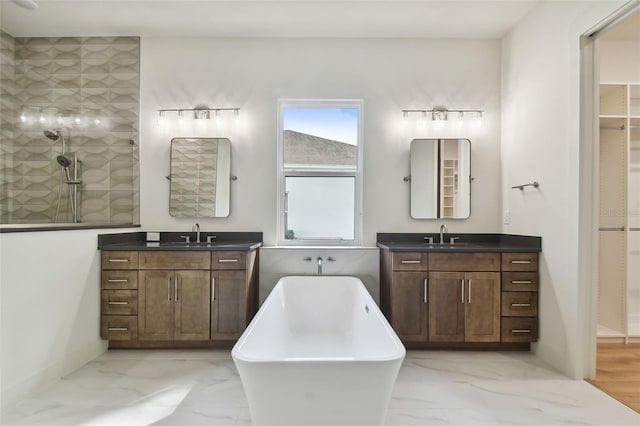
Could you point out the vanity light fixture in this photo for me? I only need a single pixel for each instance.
(440, 115)
(199, 113)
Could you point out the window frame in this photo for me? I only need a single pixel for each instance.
(283, 174)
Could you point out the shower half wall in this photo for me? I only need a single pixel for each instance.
(87, 88)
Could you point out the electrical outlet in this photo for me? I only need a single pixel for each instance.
(153, 236)
(506, 217)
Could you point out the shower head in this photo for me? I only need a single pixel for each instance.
(63, 161)
(54, 134)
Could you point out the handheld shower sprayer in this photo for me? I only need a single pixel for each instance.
(65, 163)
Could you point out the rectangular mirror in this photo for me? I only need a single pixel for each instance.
(440, 178)
(200, 177)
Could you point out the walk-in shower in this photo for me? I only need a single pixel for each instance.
(67, 166)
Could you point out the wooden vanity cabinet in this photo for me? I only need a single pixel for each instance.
(464, 306)
(403, 293)
(519, 297)
(174, 294)
(460, 299)
(233, 293)
(119, 296)
(162, 298)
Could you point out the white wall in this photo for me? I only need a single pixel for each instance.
(540, 142)
(619, 61)
(390, 75)
(49, 307)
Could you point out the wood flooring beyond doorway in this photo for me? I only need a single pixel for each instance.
(618, 372)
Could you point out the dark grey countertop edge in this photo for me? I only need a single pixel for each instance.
(5, 229)
(487, 243)
(238, 241)
(229, 246)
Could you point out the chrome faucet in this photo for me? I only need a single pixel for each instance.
(443, 229)
(196, 229)
(319, 266)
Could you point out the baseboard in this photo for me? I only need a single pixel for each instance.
(618, 339)
(49, 374)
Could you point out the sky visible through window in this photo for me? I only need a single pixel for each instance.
(339, 124)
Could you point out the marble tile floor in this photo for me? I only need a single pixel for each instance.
(202, 387)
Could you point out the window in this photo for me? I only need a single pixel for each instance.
(319, 161)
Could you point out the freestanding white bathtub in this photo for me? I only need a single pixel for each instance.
(318, 352)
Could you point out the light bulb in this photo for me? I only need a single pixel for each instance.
(42, 118)
(23, 117)
(217, 119)
(162, 119)
(180, 118)
(236, 116)
(423, 120)
(405, 118)
(479, 120)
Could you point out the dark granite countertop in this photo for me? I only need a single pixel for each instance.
(487, 243)
(171, 241)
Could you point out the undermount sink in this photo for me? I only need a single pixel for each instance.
(186, 244)
(200, 244)
(423, 245)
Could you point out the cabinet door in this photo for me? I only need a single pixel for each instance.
(228, 304)
(155, 305)
(482, 307)
(191, 294)
(409, 306)
(446, 306)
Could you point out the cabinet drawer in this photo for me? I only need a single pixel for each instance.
(228, 260)
(119, 260)
(119, 280)
(119, 302)
(519, 329)
(174, 260)
(519, 261)
(118, 327)
(464, 261)
(409, 261)
(519, 303)
(520, 281)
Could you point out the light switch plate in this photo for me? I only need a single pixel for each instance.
(506, 217)
(153, 236)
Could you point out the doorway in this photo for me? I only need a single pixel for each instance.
(613, 70)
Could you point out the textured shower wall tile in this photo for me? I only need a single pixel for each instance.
(95, 78)
(95, 206)
(95, 176)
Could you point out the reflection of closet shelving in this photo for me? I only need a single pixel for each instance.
(619, 175)
(449, 185)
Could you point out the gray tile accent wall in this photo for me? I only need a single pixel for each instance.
(95, 80)
(7, 119)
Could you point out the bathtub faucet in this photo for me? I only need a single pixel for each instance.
(319, 266)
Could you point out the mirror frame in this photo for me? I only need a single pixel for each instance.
(173, 210)
(436, 179)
